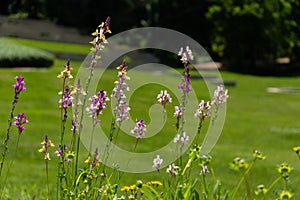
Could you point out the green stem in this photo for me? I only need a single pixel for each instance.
(47, 179)
(5, 143)
(273, 184)
(187, 166)
(205, 190)
(11, 163)
(242, 179)
(248, 188)
(199, 130)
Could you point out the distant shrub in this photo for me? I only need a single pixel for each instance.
(17, 55)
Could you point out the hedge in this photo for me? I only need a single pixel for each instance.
(17, 55)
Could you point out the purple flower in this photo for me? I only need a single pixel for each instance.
(67, 98)
(122, 108)
(185, 84)
(220, 95)
(122, 111)
(97, 105)
(204, 170)
(59, 152)
(19, 85)
(204, 110)
(164, 97)
(139, 129)
(77, 91)
(157, 162)
(20, 119)
(186, 56)
(181, 139)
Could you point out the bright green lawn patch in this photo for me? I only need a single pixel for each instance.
(53, 46)
(255, 120)
(16, 55)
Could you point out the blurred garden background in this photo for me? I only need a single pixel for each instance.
(256, 43)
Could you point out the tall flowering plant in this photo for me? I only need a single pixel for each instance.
(19, 120)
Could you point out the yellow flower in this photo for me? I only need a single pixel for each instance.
(285, 195)
(155, 183)
(125, 189)
(296, 149)
(284, 168)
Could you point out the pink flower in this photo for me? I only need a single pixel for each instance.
(19, 85)
(204, 110)
(20, 119)
(186, 56)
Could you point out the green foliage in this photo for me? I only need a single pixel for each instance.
(247, 31)
(17, 55)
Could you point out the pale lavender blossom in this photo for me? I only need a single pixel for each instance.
(122, 108)
(204, 170)
(178, 112)
(220, 95)
(186, 55)
(185, 84)
(120, 85)
(122, 112)
(181, 140)
(19, 85)
(164, 97)
(20, 119)
(204, 110)
(157, 162)
(77, 91)
(59, 152)
(173, 170)
(97, 105)
(139, 129)
(67, 98)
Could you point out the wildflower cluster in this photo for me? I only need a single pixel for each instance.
(220, 95)
(19, 86)
(204, 110)
(99, 36)
(46, 144)
(97, 105)
(122, 108)
(20, 120)
(157, 162)
(94, 161)
(173, 170)
(164, 97)
(186, 55)
(139, 129)
(181, 139)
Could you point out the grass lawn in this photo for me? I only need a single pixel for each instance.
(255, 120)
(53, 46)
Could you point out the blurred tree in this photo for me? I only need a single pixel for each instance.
(245, 31)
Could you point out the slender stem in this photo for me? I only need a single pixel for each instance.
(187, 166)
(243, 178)
(273, 184)
(5, 143)
(248, 188)
(11, 163)
(47, 179)
(199, 130)
(205, 190)
(92, 66)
